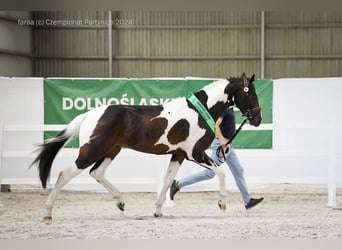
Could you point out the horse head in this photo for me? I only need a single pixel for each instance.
(241, 91)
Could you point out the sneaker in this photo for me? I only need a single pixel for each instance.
(173, 189)
(253, 202)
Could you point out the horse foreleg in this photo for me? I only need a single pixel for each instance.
(97, 172)
(169, 176)
(63, 178)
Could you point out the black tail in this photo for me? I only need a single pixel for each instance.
(47, 154)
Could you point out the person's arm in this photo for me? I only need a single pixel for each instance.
(219, 135)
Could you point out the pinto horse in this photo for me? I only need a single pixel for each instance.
(175, 128)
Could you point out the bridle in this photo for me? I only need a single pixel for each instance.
(247, 114)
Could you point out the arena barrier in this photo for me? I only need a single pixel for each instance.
(329, 152)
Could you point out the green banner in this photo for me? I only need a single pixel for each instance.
(66, 98)
(261, 139)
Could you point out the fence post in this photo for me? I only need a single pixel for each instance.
(332, 164)
(1, 136)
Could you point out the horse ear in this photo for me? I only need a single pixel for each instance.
(252, 78)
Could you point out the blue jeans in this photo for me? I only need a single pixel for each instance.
(232, 162)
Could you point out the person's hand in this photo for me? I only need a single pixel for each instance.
(223, 143)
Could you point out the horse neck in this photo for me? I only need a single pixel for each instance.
(233, 86)
(214, 97)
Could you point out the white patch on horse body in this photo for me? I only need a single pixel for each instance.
(90, 122)
(173, 112)
(178, 109)
(215, 92)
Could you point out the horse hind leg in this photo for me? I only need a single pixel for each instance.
(98, 171)
(63, 178)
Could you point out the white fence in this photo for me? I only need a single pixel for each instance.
(329, 152)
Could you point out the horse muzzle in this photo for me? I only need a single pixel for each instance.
(254, 116)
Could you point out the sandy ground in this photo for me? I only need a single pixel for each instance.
(288, 212)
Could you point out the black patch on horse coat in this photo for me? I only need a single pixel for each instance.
(134, 127)
(179, 132)
(198, 151)
(97, 165)
(178, 155)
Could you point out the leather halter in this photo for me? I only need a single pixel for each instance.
(248, 112)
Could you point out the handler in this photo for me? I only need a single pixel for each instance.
(225, 128)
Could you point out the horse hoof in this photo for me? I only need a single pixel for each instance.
(121, 206)
(158, 215)
(223, 207)
(47, 218)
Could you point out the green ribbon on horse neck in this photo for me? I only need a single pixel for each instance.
(202, 111)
